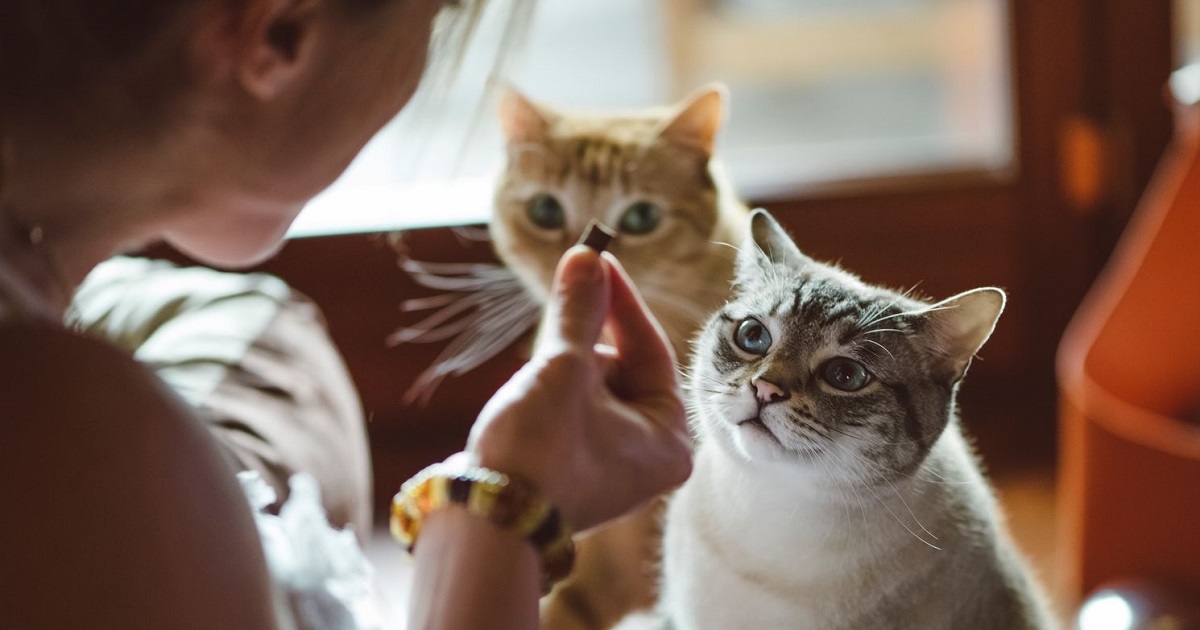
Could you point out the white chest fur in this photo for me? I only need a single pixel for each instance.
(751, 546)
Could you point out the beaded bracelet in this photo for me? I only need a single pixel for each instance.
(507, 502)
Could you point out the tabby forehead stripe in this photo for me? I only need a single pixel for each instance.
(581, 150)
(595, 160)
(841, 313)
(799, 297)
(774, 312)
(818, 299)
(624, 170)
(861, 327)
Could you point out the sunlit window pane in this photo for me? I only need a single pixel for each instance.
(1185, 84)
(1187, 31)
(821, 90)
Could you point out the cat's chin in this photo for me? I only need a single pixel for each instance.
(750, 439)
(753, 441)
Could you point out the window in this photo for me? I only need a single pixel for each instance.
(822, 90)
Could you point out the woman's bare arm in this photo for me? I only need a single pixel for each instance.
(472, 574)
(119, 511)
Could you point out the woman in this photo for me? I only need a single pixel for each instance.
(208, 124)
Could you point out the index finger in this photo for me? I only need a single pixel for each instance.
(645, 361)
(578, 304)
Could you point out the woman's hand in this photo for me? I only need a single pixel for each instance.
(599, 429)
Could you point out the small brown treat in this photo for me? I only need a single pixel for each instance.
(597, 236)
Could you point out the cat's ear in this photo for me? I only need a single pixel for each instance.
(767, 243)
(521, 119)
(959, 326)
(697, 119)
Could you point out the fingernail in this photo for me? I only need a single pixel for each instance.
(583, 265)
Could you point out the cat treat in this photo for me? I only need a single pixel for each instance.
(597, 236)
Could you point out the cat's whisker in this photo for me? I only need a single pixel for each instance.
(713, 386)
(881, 330)
(855, 481)
(834, 478)
(814, 428)
(869, 440)
(703, 390)
(930, 309)
(878, 466)
(942, 480)
(909, 292)
(896, 473)
(724, 244)
(910, 511)
(871, 316)
(810, 430)
(875, 466)
(881, 347)
(717, 387)
(902, 523)
(692, 375)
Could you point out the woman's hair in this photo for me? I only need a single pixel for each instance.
(53, 51)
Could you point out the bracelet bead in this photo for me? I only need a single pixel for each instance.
(507, 502)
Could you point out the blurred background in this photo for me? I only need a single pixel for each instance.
(954, 143)
(822, 89)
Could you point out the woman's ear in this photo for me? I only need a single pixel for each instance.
(272, 42)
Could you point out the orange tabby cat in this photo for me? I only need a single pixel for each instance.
(651, 176)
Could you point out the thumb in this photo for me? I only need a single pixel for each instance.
(579, 301)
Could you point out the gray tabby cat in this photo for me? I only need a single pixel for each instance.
(833, 487)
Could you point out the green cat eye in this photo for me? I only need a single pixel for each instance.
(642, 217)
(845, 374)
(751, 336)
(546, 212)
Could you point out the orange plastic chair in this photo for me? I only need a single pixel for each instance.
(1129, 375)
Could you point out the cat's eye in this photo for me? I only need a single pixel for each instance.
(751, 336)
(546, 212)
(845, 374)
(642, 217)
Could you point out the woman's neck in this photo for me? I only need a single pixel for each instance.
(31, 283)
(68, 203)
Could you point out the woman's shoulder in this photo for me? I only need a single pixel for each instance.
(52, 378)
(129, 516)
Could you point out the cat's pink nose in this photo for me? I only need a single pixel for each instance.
(768, 391)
